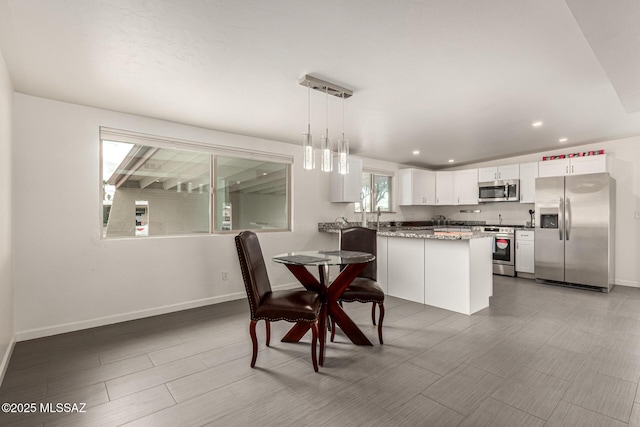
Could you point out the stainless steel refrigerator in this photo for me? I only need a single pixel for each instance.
(574, 230)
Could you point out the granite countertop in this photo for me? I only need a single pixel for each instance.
(414, 232)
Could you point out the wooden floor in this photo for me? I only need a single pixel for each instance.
(539, 356)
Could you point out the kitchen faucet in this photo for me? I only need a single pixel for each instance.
(378, 218)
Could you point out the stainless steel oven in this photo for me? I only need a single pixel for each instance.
(504, 254)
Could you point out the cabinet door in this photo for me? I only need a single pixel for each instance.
(588, 164)
(509, 172)
(417, 187)
(445, 188)
(347, 188)
(429, 187)
(381, 262)
(405, 268)
(558, 167)
(525, 256)
(405, 187)
(466, 187)
(528, 175)
(488, 174)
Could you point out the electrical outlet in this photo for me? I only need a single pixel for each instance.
(225, 276)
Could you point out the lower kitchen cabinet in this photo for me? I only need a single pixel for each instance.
(405, 268)
(382, 263)
(525, 253)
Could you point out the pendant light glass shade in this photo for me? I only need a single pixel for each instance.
(326, 161)
(343, 156)
(343, 148)
(308, 160)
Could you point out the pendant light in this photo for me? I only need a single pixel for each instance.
(308, 153)
(343, 148)
(326, 149)
(326, 156)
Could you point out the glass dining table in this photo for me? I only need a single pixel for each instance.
(352, 264)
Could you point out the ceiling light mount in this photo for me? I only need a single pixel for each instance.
(324, 86)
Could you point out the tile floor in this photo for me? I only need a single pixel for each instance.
(539, 356)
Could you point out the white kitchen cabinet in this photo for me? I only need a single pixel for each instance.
(528, 175)
(573, 166)
(588, 164)
(382, 262)
(417, 187)
(497, 173)
(347, 187)
(405, 268)
(445, 188)
(525, 250)
(466, 187)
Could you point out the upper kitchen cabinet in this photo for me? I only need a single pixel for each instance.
(417, 187)
(466, 187)
(457, 187)
(497, 173)
(445, 188)
(573, 166)
(348, 187)
(528, 175)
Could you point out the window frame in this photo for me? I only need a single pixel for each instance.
(213, 151)
(373, 173)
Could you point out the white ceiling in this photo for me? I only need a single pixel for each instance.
(455, 79)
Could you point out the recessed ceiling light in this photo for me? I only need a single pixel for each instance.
(416, 152)
(536, 124)
(563, 140)
(451, 160)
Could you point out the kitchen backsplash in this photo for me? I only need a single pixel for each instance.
(512, 212)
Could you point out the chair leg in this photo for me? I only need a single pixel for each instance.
(268, 327)
(254, 340)
(333, 329)
(373, 313)
(314, 341)
(322, 332)
(380, 322)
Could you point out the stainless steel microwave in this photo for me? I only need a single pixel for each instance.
(499, 191)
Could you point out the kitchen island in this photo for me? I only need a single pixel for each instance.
(450, 269)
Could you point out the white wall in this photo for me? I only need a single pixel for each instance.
(7, 332)
(67, 278)
(623, 158)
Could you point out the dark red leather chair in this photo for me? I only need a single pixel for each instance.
(264, 304)
(365, 287)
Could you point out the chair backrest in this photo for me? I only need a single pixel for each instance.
(254, 270)
(363, 240)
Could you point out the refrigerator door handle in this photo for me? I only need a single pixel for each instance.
(561, 218)
(567, 227)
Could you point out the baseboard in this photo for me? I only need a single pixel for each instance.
(133, 315)
(630, 283)
(6, 358)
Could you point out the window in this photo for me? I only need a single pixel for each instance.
(376, 190)
(158, 187)
(251, 194)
